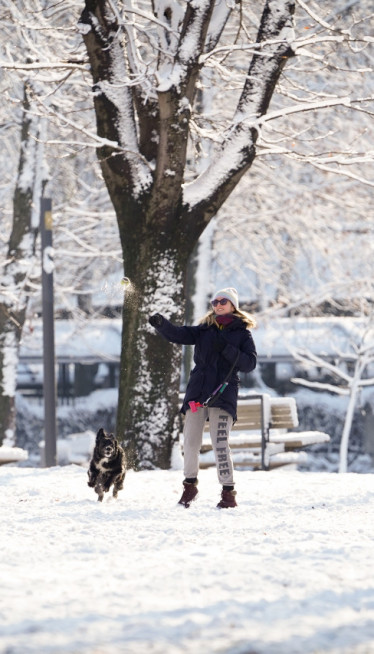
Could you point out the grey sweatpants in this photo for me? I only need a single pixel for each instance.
(220, 423)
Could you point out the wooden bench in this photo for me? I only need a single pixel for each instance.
(260, 436)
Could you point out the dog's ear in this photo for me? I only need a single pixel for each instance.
(100, 434)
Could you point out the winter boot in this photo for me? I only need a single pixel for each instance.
(189, 493)
(227, 500)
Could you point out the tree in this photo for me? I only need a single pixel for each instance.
(305, 248)
(144, 162)
(296, 235)
(147, 61)
(38, 80)
(360, 356)
(19, 266)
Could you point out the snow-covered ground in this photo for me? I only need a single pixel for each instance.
(290, 571)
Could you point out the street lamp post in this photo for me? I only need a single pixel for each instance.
(49, 376)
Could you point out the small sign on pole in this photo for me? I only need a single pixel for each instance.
(49, 376)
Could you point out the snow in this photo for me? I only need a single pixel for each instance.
(225, 160)
(118, 93)
(101, 338)
(75, 448)
(48, 260)
(9, 371)
(83, 28)
(169, 76)
(165, 284)
(217, 22)
(287, 572)
(27, 171)
(325, 336)
(8, 453)
(41, 174)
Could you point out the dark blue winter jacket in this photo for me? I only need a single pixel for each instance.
(212, 365)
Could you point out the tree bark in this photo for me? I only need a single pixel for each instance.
(148, 420)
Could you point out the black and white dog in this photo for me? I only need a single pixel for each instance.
(107, 466)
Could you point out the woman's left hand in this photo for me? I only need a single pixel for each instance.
(156, 320)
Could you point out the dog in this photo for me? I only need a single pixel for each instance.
(108, 465)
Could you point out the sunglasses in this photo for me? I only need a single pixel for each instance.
(224, 301)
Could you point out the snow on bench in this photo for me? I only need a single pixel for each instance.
(252, 459)
(12, 455)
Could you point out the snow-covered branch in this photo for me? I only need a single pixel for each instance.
(40, 65)
(93, 140)
(113, 97)
(308, 358)
(191, 43)
(339, 171)
(320, 386)
(220, 16)
(237, 152)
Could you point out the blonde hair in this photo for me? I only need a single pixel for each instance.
(210, 318)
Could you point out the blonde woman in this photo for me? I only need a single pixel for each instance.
(223, 347)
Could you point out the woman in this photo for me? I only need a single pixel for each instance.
(223, 346)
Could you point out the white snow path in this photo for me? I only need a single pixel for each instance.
(290, 571)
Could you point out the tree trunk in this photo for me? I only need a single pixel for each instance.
(148, 421)
(354, 390)
(343, 452)
(9, 345)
